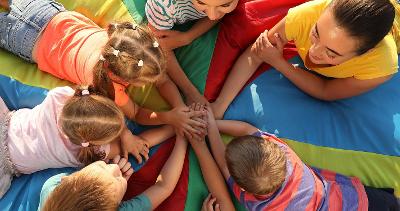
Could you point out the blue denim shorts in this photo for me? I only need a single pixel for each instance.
(22, 25)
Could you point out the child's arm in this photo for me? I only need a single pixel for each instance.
(171, 39)
(139, 145)
(180, 117)
(217, 146)
(242, 70)
(169, 175)
(179, 77)
(170, 92)
(212, 175)
(235, 128)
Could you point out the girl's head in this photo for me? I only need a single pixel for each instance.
(215, 9)
(131, 56)
(98, 186)
(348, 28)
(91, 120)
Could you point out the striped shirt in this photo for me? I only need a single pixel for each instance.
(305, 188)
(164, 14)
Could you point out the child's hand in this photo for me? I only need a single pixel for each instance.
(195, 97)
(124, 166)
(266, 51)
(217, 109)
(182, 118)
(134, 145)
(202, 119)
(171, 39)
(210, 204)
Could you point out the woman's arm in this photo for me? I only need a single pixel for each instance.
(269, 46)
(242, 70)
(171, 39)
(169, 175)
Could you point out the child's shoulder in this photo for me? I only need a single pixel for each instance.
(60, 94)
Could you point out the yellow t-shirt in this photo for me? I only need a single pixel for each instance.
(378, 62)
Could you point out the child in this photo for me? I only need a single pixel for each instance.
(162, 15)
(70, 46)
(101, 187)
(265, 174)
(360, 55)
(68, 129)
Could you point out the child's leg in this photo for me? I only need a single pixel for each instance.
(381, 200)
(22, 25)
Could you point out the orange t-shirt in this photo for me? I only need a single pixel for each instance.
(70, 47)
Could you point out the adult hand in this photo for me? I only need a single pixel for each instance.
(124, 166)
(134, 145)
(266, 51)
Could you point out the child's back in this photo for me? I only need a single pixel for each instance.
(303, 188)
(34, 139)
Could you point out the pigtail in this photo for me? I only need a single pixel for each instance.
(102, 84)
(90, 154)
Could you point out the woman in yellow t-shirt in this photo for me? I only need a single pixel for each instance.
(351, 41)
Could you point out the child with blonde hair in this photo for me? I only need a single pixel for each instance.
(101, 186)
(70, 128)
(265, 174)
(163, 15)
(70, 46)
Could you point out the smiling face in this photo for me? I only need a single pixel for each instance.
(215, 10)
(330, 44)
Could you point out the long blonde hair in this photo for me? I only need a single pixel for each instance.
(132, 53)
(93, 119)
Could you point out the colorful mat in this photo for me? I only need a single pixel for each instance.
(346, 136)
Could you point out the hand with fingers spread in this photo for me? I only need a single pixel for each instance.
(134, 145)
(182, 118)
(210, 204)
(266, 51)
(124, 166)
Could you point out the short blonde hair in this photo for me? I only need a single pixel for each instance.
(258, 166)
(82, 191)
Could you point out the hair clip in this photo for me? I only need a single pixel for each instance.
(155, 44)
(85, 92)
(101, 58)
(85, 144)
(116, 52)
(140, 63)
(134, 26)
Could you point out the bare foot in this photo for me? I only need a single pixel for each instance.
(218, 110)
(4, 4)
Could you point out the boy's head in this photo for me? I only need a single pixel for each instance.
(98, 186)
(215, 9)
(258, 166)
